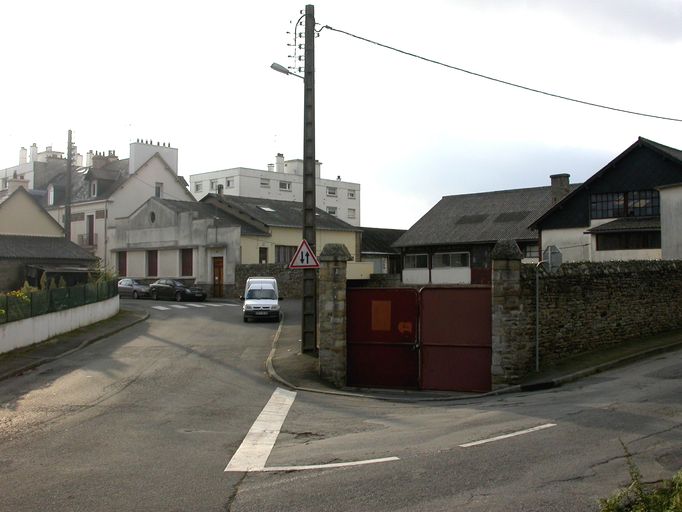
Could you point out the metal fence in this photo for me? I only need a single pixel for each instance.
(57, 299)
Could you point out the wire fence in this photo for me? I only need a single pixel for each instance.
(13, 308)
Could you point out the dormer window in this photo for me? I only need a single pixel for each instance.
(50, 195)
(93, 188)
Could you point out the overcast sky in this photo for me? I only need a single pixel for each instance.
(196, 74)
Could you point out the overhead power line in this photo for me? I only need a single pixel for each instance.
(504, 82)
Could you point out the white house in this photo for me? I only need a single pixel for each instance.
(282, 181)
(110, 189)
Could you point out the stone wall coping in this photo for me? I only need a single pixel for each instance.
(506, 250)
(335, 252)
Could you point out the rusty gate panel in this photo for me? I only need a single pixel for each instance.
(382, 337)
(456, 338)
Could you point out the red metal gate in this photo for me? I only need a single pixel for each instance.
(437, 338)
(456, 336)
(382, 338)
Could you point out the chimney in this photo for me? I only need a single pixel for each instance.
(22, 156)
(560, 186)
(271, 167)
(88, 158)
(34, 152)
(279, 162)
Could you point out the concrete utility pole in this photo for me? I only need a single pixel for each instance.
(67, 197)
(309, 321)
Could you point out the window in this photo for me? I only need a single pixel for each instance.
(351, 213)
(158, 189)
(285, 185)
(351, 194)
(93, 188)
(212, 184)
(4, 183)
(331, 210)
(262, 255)
(531, 251)
(186, 262)
(198, 186)
(450, 259)
(629, 241)
(122, 263)
(90, 230)
(50, 195)
(152, 263)
(284, 253)
(331, 191)
(264, 183)
(416, 261)
(229, 182)
(638, 203)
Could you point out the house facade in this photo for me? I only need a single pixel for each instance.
(377, 248)
(282, 181)
(110, 189)
(626, 211)
(203, 242)
(33, 243)
(452, 243)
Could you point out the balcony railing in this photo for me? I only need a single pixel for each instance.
(88, 240)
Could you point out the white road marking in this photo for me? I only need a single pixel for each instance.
(255, 449)
(196, 305)
(506, 436)
(328, 466)
(161, 308)
(178, 306)
(215, 305)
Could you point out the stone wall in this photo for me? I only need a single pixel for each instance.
(583, 307)
(290, 282)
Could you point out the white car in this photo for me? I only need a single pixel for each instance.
(261, 301)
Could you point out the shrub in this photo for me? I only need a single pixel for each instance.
(667, 497)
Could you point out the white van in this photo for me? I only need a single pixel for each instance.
(261, 301)
(261, 280)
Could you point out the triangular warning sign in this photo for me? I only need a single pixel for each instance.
(304, 257)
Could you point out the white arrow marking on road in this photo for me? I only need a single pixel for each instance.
(328, 466)
(177, 306)
(506, 436)
(197, 305)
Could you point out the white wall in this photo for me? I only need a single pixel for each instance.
(451, 275)
(573, 243)
(23, 333)
(416, 276)
(141, 152)
(671, 230)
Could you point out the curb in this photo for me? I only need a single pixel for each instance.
(535, 386)
(84, 343)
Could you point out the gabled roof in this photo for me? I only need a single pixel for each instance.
(667, 152)
(274, 213)
(380, 240)
(479, 218)
(41, 248)
(210, 211)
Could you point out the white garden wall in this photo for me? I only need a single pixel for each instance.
(23, 333)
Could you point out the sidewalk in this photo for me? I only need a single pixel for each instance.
(21, 360)
(299, 371)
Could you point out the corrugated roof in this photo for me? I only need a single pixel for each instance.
(41, 247)
(628, 224)
(275, 213)
(481, 217)
(379, 240)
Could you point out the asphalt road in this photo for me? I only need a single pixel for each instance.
(148, 420)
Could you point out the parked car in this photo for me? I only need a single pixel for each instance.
(172, 289)
(128, 287)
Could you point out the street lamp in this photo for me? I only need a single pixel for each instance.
(309, 316)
